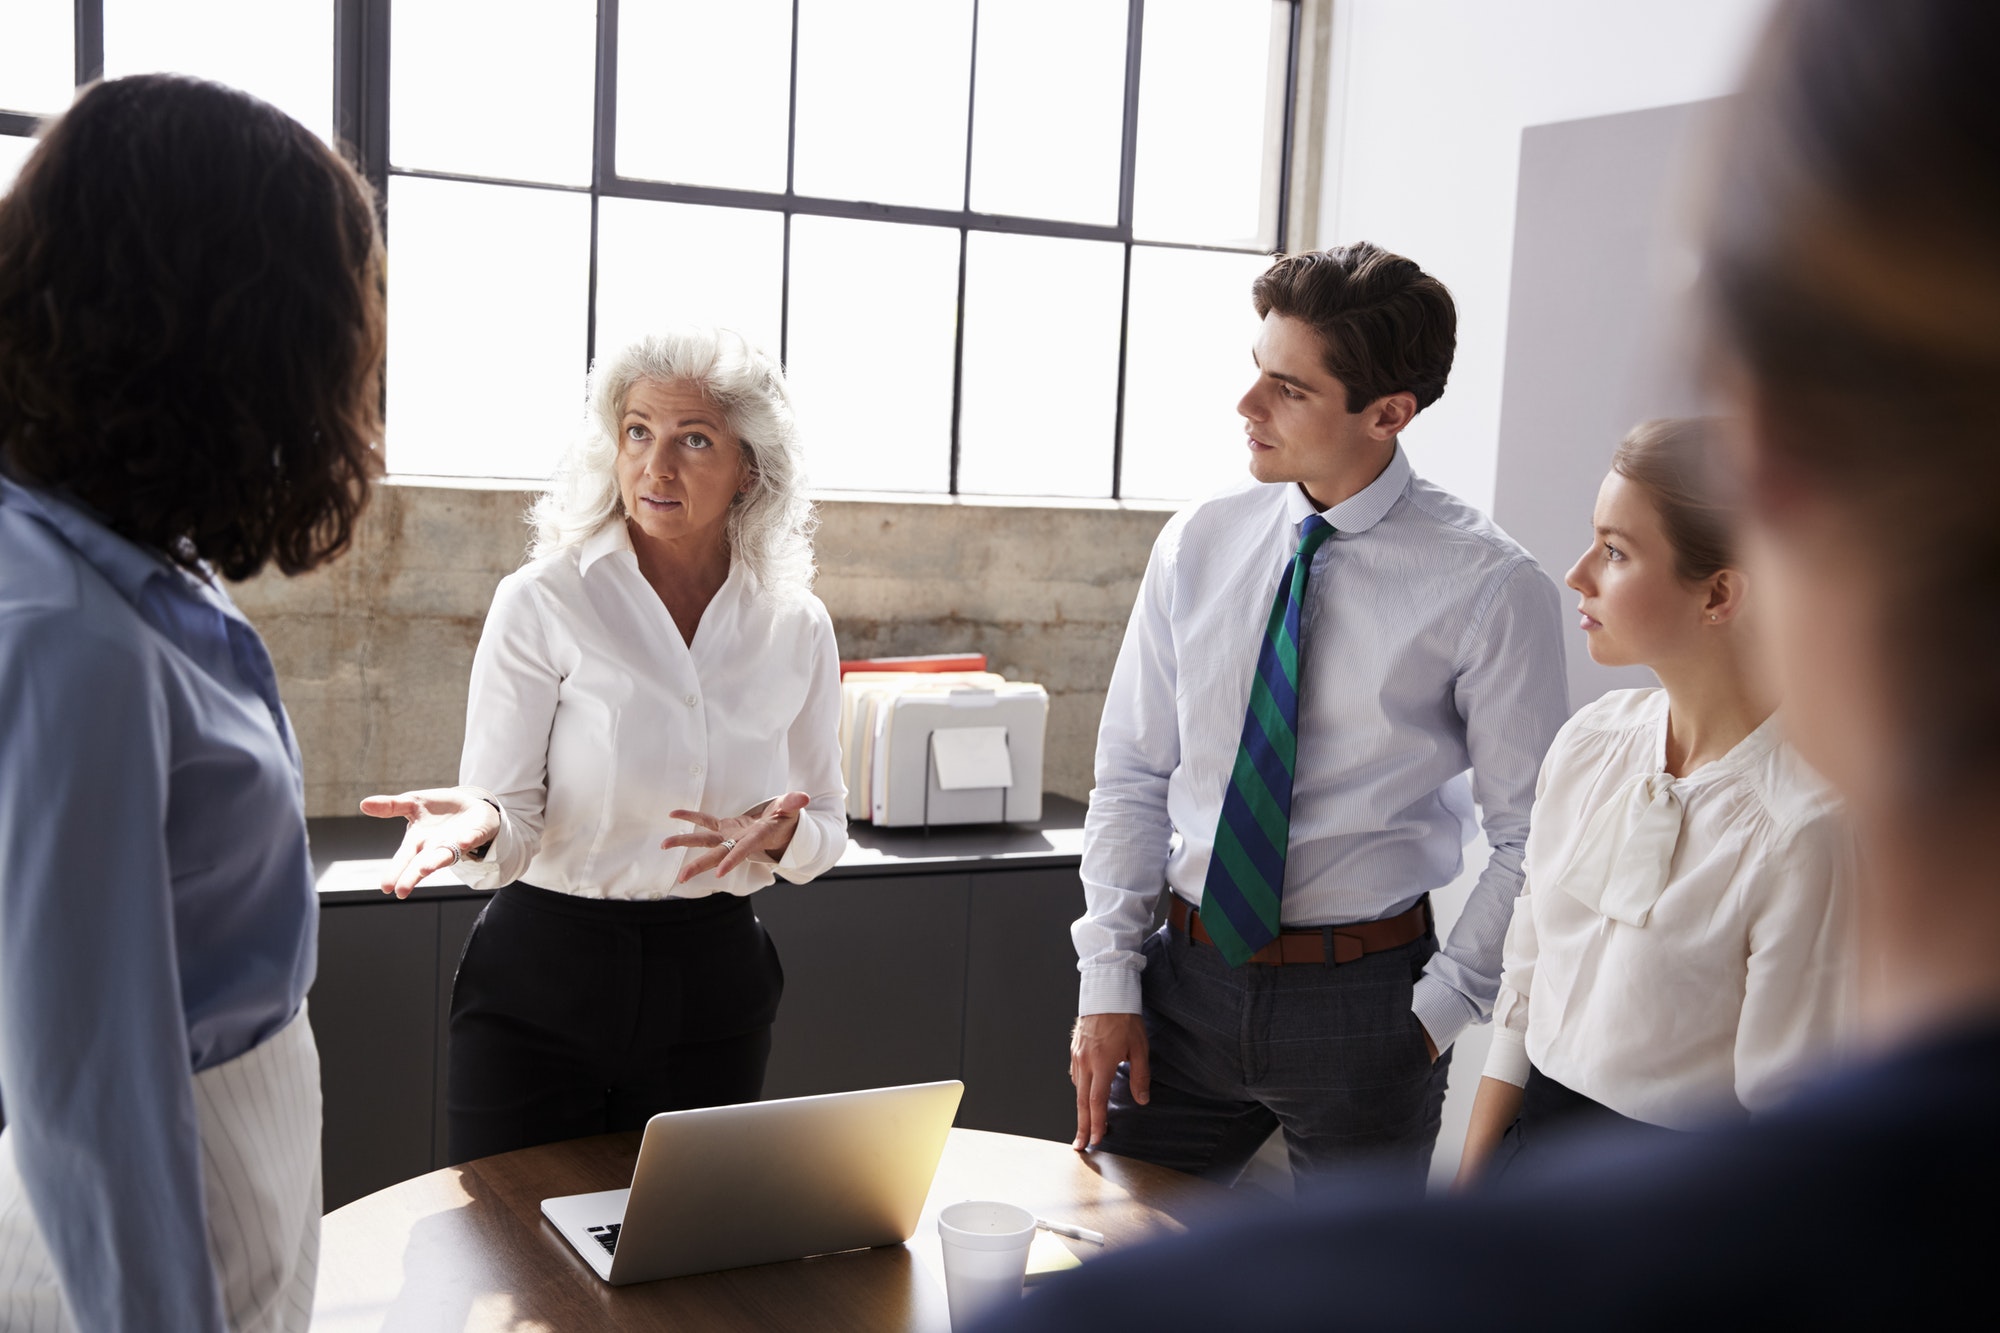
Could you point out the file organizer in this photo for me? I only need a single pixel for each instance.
(958, 748)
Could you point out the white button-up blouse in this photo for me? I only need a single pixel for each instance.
(590, 718)
(1681, 946)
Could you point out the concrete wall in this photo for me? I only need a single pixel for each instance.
(373, 652)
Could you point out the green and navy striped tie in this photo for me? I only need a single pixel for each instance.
(1240, 902)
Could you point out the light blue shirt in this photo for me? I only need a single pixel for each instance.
(1432, 648)
(157, 915)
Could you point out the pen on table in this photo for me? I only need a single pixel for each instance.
(1074, 1233)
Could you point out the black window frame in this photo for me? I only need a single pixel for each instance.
(361, 114)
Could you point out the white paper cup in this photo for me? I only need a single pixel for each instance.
(985, 1256)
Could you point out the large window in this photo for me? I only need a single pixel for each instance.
(1002, 246)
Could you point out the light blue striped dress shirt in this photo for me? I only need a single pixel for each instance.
(157, 914)
(1433, 649)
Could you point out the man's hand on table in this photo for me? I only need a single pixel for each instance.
(1097, 1046)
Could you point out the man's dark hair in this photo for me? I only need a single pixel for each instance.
(1385, 325)
(192, 327)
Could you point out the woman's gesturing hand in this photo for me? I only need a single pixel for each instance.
(763, 832)
(445, 824)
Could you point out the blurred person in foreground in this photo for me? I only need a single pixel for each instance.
(1682, 949)
(191, 336)
(659, 662)
(1854, 268)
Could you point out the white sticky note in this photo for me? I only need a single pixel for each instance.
(971, 757)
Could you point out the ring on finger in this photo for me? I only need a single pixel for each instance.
(456, 857)
(728, 846)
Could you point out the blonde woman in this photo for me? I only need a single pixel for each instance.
(651, 737)
(1681, 947)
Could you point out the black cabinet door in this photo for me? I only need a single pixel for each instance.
(874, 981)
(1020, 1000)
(373, 1006)
(455, 918)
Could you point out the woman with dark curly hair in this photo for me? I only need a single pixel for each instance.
(191, 335)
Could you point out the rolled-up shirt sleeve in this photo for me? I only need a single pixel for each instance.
(509, 708)
(95, 1066)
(1512, 693)
(1128, 833)
(813, 745)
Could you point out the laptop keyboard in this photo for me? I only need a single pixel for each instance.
(607, 1236)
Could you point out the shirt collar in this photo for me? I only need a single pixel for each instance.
(609, 539)
(126, 565)
(1362, 510)
(612, 537)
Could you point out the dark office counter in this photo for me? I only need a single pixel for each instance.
(919, 956)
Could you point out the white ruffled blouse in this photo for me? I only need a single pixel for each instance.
(1681, 946)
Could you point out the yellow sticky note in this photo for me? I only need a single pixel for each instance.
(1049, 1255)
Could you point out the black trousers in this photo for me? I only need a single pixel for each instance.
(574, 1016)
(1551, 1114)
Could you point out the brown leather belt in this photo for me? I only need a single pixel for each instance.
(1318, 944)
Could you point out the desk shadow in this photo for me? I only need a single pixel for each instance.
(972, 841)
(881, 1290)
(1187, 1212)
(456, 1275)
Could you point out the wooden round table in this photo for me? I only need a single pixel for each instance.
(466, 1249)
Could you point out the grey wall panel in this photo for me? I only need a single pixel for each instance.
(1598, 335)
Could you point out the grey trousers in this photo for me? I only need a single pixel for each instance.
(1331, 1055)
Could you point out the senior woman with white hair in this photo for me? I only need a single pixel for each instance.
(660, 658)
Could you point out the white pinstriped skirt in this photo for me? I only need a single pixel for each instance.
(260, 1122)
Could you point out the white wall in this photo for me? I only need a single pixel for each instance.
(1427, 103)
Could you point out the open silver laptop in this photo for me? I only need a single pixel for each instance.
(727, 1186)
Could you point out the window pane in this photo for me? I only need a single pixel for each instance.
(38, 57)
(493, 87)
(1049, 113)
(718, 117)
(882, 100)
(1208, 79)
(487, 291)
(279, 50)
(873, 316)
(13, 152)
(1187, 362)
(664, 264)
(1040, 395)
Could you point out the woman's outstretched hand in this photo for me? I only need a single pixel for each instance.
(445, 823)
(762, 833)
